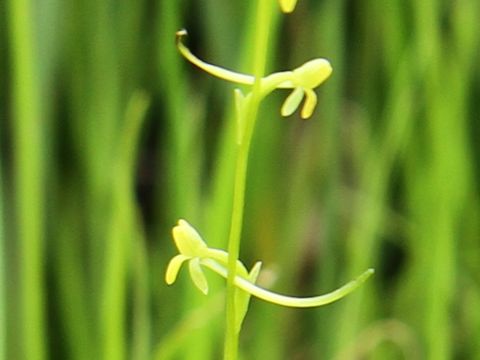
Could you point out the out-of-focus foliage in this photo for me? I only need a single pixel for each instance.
(108, 136)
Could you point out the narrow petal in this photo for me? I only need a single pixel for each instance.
(173, 268)
(310, 103)
(209, 68)
(198, 277)
(292, 102)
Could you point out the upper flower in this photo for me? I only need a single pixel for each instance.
(302, 80)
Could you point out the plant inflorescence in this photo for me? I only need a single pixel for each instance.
(241, 283)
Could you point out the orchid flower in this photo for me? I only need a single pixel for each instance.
(302, 80)
(194, 250)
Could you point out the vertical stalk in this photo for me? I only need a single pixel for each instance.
(263, 20)
(3, 293)
(27, 142)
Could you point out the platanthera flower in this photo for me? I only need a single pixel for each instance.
(302, 80)
(193, 249)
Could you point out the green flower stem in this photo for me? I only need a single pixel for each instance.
(263, 20)
(231, 337)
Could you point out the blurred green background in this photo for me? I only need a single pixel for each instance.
(108, 136)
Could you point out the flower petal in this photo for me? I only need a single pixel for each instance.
(173, 268)
(188, 240)
(292, 102)
(198, 277)
(310, 103)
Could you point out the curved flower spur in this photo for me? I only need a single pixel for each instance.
(302, 81)
(193, 249)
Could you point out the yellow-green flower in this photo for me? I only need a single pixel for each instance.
(193, 249)
(303, 80)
